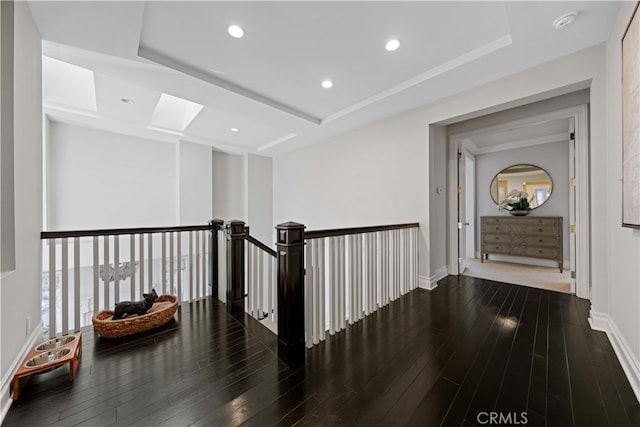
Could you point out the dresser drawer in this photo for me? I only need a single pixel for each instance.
(541, 241)
(542, 252)
(496, 238)
(542, 230)
(497, 248)
(544, 221)
(497, 228)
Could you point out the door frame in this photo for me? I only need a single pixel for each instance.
(583, 236)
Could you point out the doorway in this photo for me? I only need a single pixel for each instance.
(463, 210)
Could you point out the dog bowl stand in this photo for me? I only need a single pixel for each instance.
(73, 359)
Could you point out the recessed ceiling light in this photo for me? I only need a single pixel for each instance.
(234, 129)
(392, 45)
(235, 31)
(564, 20)
(127, 101)
(327, 84)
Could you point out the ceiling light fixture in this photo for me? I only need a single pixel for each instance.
(327, 84)
(564, 20)
(235, 31)
(234, 129)
(127, 101)
(392, 45)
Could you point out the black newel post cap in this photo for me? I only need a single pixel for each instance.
(290, 233)
(236, 227)
(216, 223)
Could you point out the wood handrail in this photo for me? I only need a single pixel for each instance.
(261, 245)
(120, 231)
(317, 234)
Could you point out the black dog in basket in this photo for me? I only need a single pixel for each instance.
(135, 307)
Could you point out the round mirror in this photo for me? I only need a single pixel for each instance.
(533, 180)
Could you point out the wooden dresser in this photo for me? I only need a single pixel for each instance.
(529, 236)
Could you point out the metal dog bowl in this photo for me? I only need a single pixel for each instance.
(55, 343)
(46, 358)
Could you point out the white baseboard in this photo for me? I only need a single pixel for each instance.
(628, 360)
(430, 283)
(5, 385)
(424, 283)
(598, 321)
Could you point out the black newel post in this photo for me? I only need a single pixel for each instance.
(235, 267)
(290, 243)
(214, 226)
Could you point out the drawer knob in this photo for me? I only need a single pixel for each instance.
(497, 238)
(540, 230)
(539, 252)
(497, 228)
(539, 240)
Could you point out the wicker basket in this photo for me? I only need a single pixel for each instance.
(160, 313)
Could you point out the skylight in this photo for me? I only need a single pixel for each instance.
(175, 113)
(67, 84)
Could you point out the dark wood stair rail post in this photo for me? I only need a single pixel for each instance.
(290, 260)
(235, 266)
(214, 225)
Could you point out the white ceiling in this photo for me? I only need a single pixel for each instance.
(267, 84)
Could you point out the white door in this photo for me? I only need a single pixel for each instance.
(470, 206)
(572, 204)
(466, 207)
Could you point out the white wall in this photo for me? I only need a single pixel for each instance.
(552, 157)
(21, 289)
(380, 174)
(373, 176)
(259, 198)
(195, 197)
(101, 179)
(228, 186)
(621, 316)
(438, 199)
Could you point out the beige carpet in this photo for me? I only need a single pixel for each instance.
(520, 274)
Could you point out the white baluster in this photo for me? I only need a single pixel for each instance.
(150, 264)
(116, 268)
(132, 266)
(141, 265)
(341, 284)
(261, 283)
(416, 237)
(274, 289)
(190, 265)
(358, 277)
(64, 265)
(96, 266)
(323, 288)
(179, 265)
(353, 283)
(308, 295)
(197, 272)
(76, 283)
(52, 288)
(333, 273)
(204, 285)
(164, 263)
(249, 283)
(384, 257)
(105, 272)
(172, 268)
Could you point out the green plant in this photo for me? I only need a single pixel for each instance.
(516, 201)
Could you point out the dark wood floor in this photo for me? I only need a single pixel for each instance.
(447, 357)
